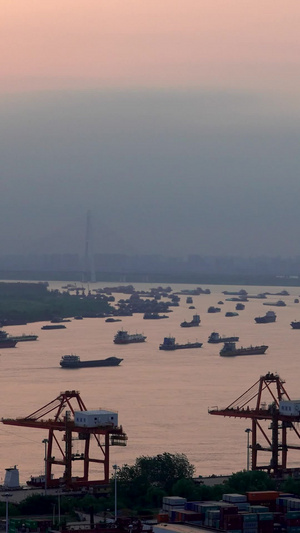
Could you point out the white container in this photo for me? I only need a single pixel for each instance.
(234, 498)
(96, 418)
(174, 500)
(289, 407)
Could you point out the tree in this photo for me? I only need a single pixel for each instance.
(249, 481)
(160, 471)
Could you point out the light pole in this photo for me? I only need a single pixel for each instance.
(45, 441)
(58, 507)
(6, 511)
(115, 467)
(248, 431)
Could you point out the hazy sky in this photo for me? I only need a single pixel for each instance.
(176, 122)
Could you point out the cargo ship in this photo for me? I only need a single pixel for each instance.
(6, 341)
(73, 361)
(295, 324)
(154, 316)
(270, 316)
(229, 350)
(53, 326)
(24, 337)
(170, 344)
(216, 338)
(123, 337)
(279, 303)
(194, 322)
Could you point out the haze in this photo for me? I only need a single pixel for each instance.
(175, 123)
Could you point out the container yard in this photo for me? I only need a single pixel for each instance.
(254, 512)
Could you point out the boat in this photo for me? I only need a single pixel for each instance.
(194, 322)
(6, 341)
(215, 338)
(37, 481)
(110, 319)
(242, 292)
(270, 316)
(24, 337)
(189, 300)
(58, 320)
(240, 307)
(279, 303)
(54, 326)
(154, 316)
(170, 344)
(229, 350)
(231, 313)
(295, 324)
(213, 309)
(123, 337)
(73, 361)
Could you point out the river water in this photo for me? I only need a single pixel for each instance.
(162, 397)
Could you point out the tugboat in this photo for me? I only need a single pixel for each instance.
(194, 322)
(169, 344)
(123, 337)
(229, 350)
(73, 361)
(215, 338)
(270, 316)
(295, 324)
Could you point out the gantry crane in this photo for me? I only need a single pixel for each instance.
(63, 408)
(261, 402)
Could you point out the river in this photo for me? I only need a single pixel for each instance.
(162, 397)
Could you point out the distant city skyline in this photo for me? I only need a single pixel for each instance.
(175, 123)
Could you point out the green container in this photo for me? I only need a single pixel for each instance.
(251, 517)
(293, 529)
(265, 516)
(259, 509)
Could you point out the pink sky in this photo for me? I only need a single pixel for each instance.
(82, 44)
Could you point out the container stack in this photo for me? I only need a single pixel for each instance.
(257, 512)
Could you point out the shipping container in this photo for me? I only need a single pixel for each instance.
(262, 496)
(234, 498)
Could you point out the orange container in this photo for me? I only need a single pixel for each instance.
(162, 517)
(262, 496)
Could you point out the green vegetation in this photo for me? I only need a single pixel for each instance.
(150, 478)
(142, 486)
(32, 302)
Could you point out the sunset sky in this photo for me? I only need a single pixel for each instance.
(165, 118)
(55, 44)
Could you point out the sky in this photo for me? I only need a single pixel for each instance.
(175, 123)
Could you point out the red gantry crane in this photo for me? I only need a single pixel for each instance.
(267, 400)
(72, 421)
